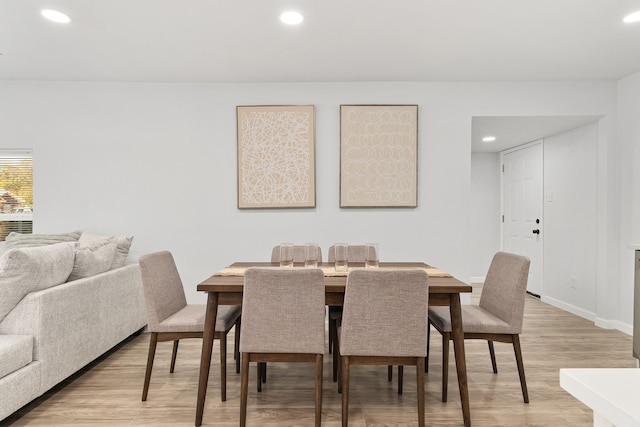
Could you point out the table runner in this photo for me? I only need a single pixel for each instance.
(331, 271)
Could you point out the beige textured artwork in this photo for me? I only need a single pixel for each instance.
(276, 164)
(378, 155)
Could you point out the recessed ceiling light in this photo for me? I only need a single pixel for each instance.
(632, 17)
(291, 17)
(55, 16)
(488, 139)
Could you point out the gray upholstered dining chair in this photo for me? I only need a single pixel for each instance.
(498, 316)
(355, 253)
(384, 322)
(298, 254)
(282, 321)
(170, 318)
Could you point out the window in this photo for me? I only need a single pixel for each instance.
(16, 192)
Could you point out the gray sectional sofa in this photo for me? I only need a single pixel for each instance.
(64, 301)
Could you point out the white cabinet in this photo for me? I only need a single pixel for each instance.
(612, 393)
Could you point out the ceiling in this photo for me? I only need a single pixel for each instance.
(340, 40)
(514, 131)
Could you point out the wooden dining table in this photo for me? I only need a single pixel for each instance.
(225, 287)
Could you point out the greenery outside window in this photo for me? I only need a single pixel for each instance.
(16, 191)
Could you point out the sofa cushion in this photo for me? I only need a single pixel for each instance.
(94, 258)
(122, 250)
(19, 240)
(32, 269)
(16, 351)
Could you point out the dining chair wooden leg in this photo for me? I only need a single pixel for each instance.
(153, 341)
(389, 372)
(264, 372)
(331, 325)
(236, 344)
(336, 355)
(319, 361)
(445, 364)
(400, 378)
(259, 368)
(426, 359)
(492, 353)
(333, 332)
(223, 366)
(244, 388)
(340, 378)
(420, 381)
(174, 354)
(344, 366)
(518, 353)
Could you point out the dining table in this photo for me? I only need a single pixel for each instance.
(225, 287)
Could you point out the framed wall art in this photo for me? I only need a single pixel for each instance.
(276, 156)
(378, 156)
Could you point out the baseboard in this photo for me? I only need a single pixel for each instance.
(570, 308)
(598, 321)
(614, 324)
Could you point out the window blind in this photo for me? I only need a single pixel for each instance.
(16, 191)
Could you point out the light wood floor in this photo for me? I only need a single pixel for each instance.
(108, 393)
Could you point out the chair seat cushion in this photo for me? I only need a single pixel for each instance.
(474, 320)
(191, 319)
(16, 351)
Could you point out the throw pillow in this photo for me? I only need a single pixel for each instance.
(95, 258)
(122, 250)
(26, 270)
(19, 240)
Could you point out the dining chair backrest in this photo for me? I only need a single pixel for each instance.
(163, 291)
(385, 313)
(298, 254)
(283, 311)
(355, 253)
(504, 289)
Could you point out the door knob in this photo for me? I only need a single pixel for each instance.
(536, 231)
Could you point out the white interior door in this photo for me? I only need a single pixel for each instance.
(522, 200)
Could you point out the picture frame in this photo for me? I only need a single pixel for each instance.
(276, 156)
(378, 156)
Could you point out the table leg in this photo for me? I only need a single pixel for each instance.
(207, 347)
(458, 348)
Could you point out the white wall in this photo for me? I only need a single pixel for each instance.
(484, 213)
(159, 161)
(629, 137)
(570, 219)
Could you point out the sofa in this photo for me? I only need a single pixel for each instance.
(65, 300)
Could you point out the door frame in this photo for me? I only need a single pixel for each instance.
(502, 207)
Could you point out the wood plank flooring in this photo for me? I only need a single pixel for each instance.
(108, 392)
